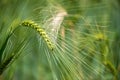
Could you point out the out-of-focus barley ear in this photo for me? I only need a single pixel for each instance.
(42, 32)
(100, 37)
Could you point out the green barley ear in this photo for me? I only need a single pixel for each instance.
(41, 31)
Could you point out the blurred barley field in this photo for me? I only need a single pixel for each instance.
(59, 40)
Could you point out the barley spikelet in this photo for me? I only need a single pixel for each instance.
(40, 31)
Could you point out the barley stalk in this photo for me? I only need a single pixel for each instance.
(5, 64)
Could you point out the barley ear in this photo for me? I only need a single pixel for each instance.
(35, 26)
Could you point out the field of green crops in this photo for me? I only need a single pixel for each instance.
(59, 39)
